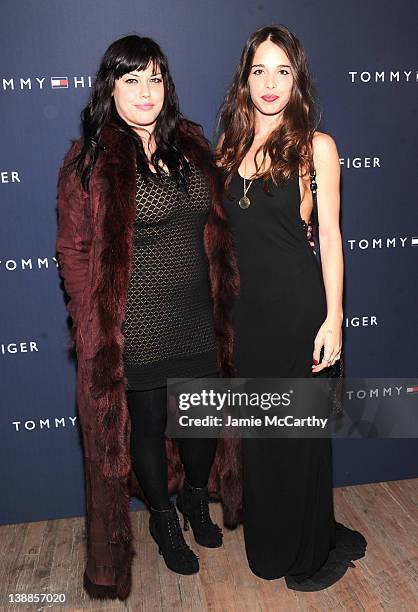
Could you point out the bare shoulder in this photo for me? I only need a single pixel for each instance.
(324, 145)
(325, 152)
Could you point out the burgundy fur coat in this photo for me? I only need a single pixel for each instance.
(94, 247)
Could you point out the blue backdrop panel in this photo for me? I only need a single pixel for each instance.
(363, 56)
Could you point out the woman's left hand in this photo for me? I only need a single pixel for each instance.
(329, 336)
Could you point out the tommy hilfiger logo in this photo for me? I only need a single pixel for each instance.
(31, 263)
(45, 83)
(383, 76)
(59, 82)
(386, 242)
(47, 423)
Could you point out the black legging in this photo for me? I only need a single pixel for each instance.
(148, 410)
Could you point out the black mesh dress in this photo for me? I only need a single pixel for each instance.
(168, 325)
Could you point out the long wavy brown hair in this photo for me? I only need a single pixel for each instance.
(290, 145)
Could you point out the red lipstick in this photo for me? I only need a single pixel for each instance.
(269, 98)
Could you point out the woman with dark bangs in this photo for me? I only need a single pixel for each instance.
(289, 314)
(145, 255)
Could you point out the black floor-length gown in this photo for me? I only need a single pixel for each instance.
(289, 524)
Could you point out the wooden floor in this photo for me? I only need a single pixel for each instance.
(48, 556)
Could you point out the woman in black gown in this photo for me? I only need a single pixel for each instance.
(289, 309)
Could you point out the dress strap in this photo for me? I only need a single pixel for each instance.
(314, 188)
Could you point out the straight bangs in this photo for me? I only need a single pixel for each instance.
(138, 56)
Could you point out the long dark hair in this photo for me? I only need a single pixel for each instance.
(290, 145)
(123, 56)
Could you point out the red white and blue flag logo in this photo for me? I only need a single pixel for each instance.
(59, 82)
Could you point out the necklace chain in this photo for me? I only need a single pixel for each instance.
(245, 179)
(245, 201)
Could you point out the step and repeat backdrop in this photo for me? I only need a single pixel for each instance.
(364, 59)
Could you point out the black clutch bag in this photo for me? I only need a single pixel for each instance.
(335, 371)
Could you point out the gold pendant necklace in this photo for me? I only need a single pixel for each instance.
(245, 201)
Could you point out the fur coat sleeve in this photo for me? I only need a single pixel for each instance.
(74, 233)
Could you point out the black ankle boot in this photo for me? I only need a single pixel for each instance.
(165, 528)
(193, 504)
